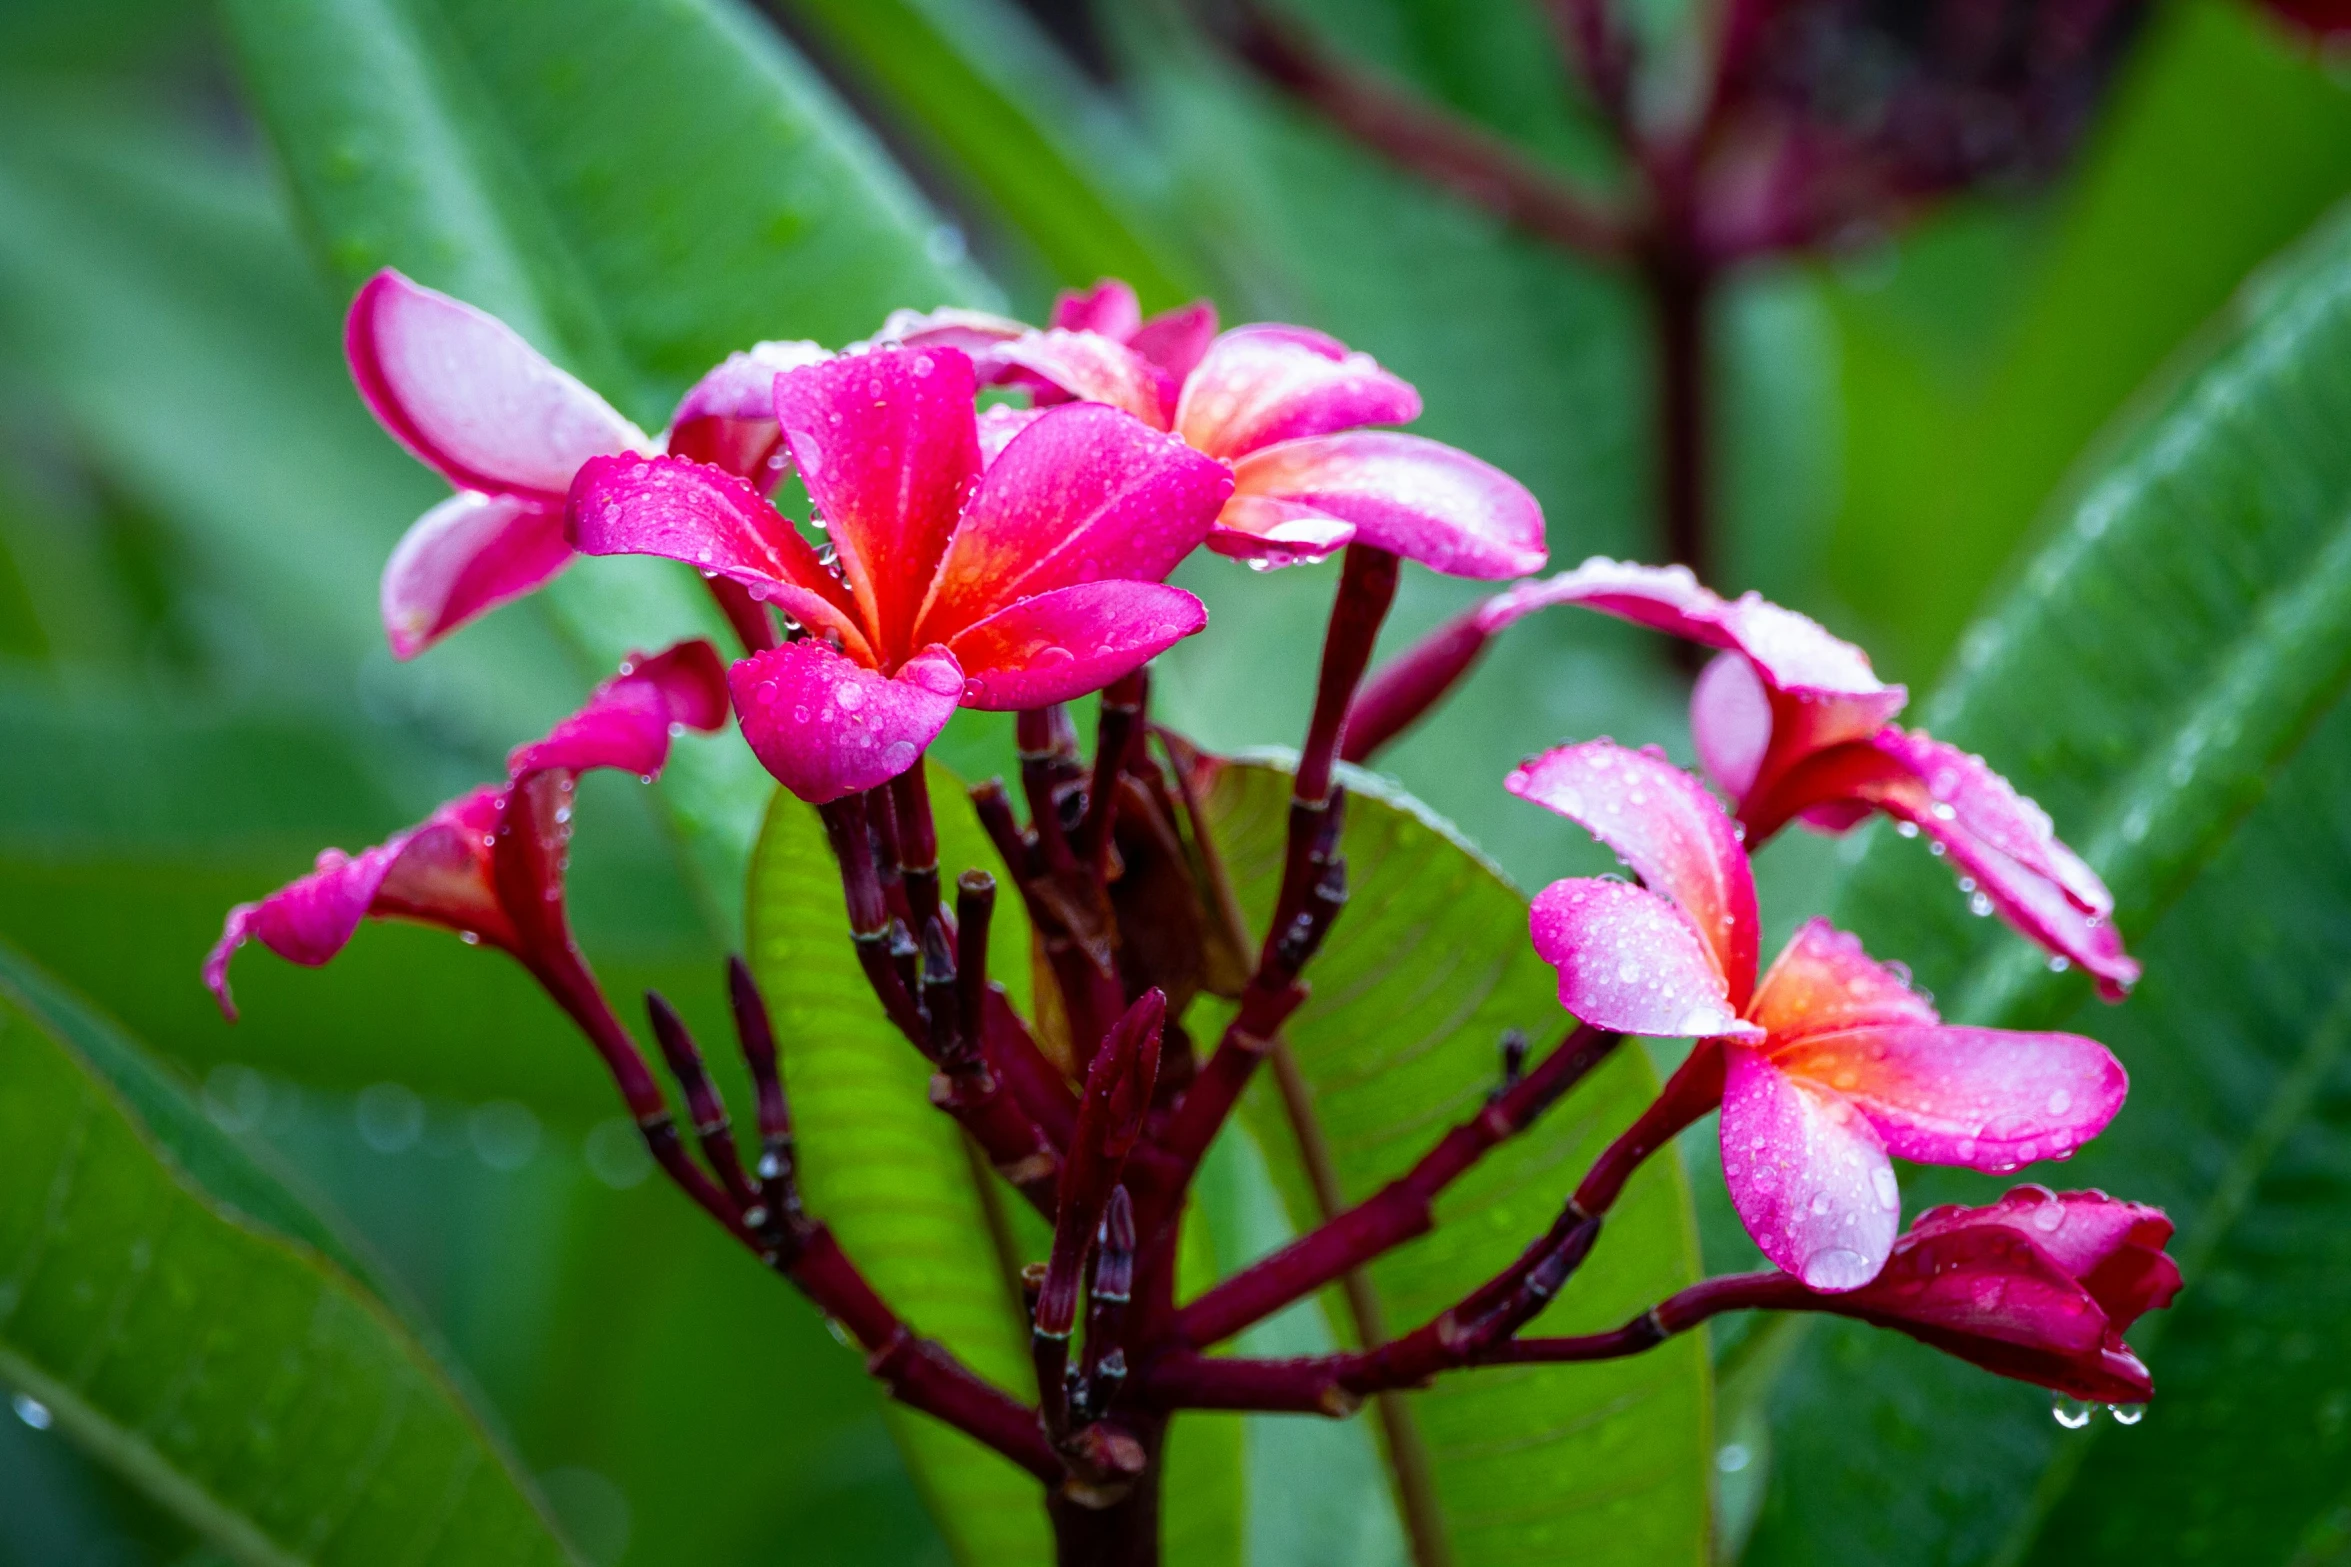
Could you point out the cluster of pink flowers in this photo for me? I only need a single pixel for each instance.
(999, 507)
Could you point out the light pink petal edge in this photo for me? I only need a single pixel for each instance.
(1628, 960)
(1415, 497)
(826, 727)
(464, 558)
(1807, 1174)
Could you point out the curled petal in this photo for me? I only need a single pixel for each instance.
(973, 332)
(1983, 1098)
(826, 727)
(1083, 494)
(743, 385)
(1807, 1174)
(1823, 980)
(1672, 833)
(465, 393)
(1061, 645)
(438, 871)
(1176, 340)
(1259, 385)
(463, 559)
(1971, 799)
(708, 518)
(1629, 960)
(1730, 722)
(1109, 308)
(628, 722)
(1414, 497)
(1094, 369)
(888, 445)
(2114, 1248)
(1269, 532)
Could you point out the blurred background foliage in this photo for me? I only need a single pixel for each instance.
(194, 694)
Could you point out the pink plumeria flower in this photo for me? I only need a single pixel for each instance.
(1793, 725)
(1286, 408)
(1005, 584)
(1828, 1065)
(469, 397)
(489, 863)
(2040, 1286)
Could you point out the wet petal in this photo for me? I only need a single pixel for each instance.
(888, 446)
(1094, 369)
(465, 393)
(1823, 980)
(2114, 1248)
(1628, 960)
(826, 727)
(998, 425)
(1415, 497)
(1982, 1098)
(743, 385)
(1063, 644)
(1176, 340)
(1672, 833)
(1109, 308)
(463, 559)
(1730, 721)
(708, 518)
(1258, 385)
(974, 332)
(627, 723)
(1083, 494)
(1276, 533)
(1807, 1174)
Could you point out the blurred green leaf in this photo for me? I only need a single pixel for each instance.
(1003, 110)
(891, 1174)
(195, 1337)
(1421, 976)
(2154, 679)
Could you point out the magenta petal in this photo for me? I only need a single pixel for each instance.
(1673, 834)
(628, 722)
(465, 393)
(743, 385)
(1259, 385)
(2114, 1248)
(1988, 1281)
(1823, 981)
(1807, 1174)
(1629, 960)
(690, 511)
(1109, 307)
(888, 445)
(463, 559)
(1083, 494)
(306, 921)
(826, 727)
(974, 332)
(1271, 532)
(1973, 800)
(1061, 645)
(1414, 497)
(1982, 1098)
(1095, 369)
(1176, 340)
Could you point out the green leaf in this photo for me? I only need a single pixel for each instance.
(1423, 972)
(177, 1314)
(639, 189)
(891, 1174)
(1002, 108)
(2165, 678)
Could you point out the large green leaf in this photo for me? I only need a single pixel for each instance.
(639, 189)
(888, 1172)
(1424, 971)
(2153, 679)
(188, 1320)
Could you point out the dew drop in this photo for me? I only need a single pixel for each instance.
(31, 1411)
(1906, 829)
(1881, 1180)
(2071, 1413)
(2060, 1101)
(2127, 1414)
(1979, 905)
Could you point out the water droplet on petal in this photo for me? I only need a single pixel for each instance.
(1836, 1269)
(2127, 1414)
(2071, 1413)
(2060, 1101)
(1881, 1181)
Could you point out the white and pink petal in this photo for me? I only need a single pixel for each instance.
(1807, 1174)
(1413, 497)
(1629, 960)
(464, 558)
(825, 726)
(1061, 645)
(1258, 385)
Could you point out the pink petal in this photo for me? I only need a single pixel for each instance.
(1823, 981)
(998, 425)
(1415, 497)
(1176, 340)
(826, 727)
(1061, 645)
(1083, 494)
(888, 446)
(464, 392)
(1672, 833)
(1730, 720)
(708, 518)
(1987, 807)
(974, 332)
(1259, 385)
(446, 880)
(628, 722)
(1270, 533)
(1109, 308)
(1987, 1281)
(1807, 1174)
(2115, 1248)
(1094, 369)
(1629, 960)
(463, 559)
(1982, 1098)
(743, 385)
